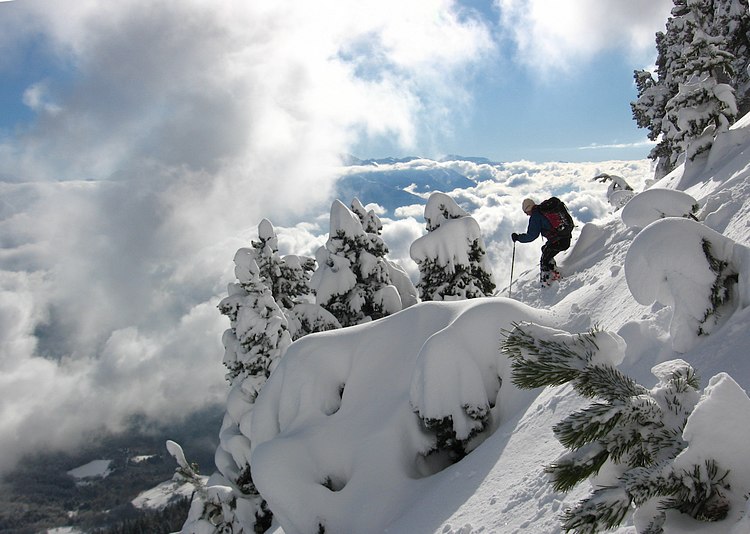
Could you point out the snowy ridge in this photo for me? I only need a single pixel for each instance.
(349, 459)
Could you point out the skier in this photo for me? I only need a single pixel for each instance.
(552, 220)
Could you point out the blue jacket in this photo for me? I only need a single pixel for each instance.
(538, 224)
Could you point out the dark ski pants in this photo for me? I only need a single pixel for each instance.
(549, 251)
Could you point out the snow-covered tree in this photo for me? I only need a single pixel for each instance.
(452, 258)
(258, 335)
(288, 279)
(396, 273)
(636, 432)
(649, 110)
(619, 191)
(256, 340)
(703, 106)
(352, 279)
(658, 203)
(701, 75)
(369, 219)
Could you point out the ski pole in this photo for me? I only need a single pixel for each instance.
(512, 264)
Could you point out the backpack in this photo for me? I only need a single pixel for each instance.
(557, 214)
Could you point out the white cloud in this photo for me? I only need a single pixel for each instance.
(36, 97)
(595, 146)
(552, 35)
(178, 126)
(414, 210)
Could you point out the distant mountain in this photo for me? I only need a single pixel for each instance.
(473, 159)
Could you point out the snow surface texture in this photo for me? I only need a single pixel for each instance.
(327, 437)
(654, 204)
(351, 458)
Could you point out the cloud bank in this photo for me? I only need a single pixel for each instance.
(553, 35)
(173, 129)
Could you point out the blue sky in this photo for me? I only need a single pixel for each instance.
(527, 86)
(574, 110)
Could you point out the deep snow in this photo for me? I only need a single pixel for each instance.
(434, 358)
(335, 432)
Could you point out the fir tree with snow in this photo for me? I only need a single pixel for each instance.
(649, 110)
(352, 280)
(701, 75)
(257, 338)
(258, 335)
(731, 22)
(658, 203)
(369, 219)
(288, 279)
(396, 273)
(703, 106)
(636, 432)
(698, 272)
(452, 258)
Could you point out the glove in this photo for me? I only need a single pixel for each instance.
(514, 237)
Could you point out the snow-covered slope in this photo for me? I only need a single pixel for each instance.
(336, 437)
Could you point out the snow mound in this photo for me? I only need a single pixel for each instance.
(336, 440)
(654, 204)
(668, 263)
(441, 208)
(722, 400)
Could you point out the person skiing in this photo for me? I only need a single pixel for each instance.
(552, 220)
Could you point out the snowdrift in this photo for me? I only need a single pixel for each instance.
(336, 431)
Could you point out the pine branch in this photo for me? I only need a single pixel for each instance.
(606, 382)
(698, 492)
(539, 362)
(646, 482)
(604, 509)
(576, 466)
(587, 425)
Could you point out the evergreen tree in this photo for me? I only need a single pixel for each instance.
(731, 22)
(369, 219)
(257, 339)
(258, 336)
(267, 307)
(636, 430)
(451, 257)
(649, 110)
(288, 280)
(702, 107)
(352, 280)
(396, 273)
(701, 70)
